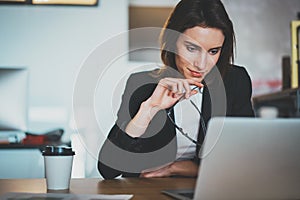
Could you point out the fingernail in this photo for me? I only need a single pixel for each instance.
(194, 92)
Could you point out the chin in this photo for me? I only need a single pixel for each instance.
(195, 78)
(198, 79)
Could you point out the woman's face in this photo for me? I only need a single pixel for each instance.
(198, 51)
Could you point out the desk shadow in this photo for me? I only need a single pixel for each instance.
(66, 191)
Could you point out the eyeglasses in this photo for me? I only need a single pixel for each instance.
(181, 129)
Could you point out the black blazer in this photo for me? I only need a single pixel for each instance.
(127, 156)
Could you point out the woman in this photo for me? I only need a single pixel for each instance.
(197, 45)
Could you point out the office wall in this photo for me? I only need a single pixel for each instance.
(53, 42)
(263, 38)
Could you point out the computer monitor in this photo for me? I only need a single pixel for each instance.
(13, 99)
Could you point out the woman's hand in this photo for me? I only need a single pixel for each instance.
(181, 168)
(166, 94)
(170, 90)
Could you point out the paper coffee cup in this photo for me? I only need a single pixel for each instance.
(58, 167)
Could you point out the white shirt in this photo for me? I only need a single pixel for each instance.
(188, 118)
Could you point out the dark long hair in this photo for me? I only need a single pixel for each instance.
(190, 13)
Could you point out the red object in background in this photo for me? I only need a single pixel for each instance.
(34, 139)
(267, 83)
(266, 86)
(41, 139)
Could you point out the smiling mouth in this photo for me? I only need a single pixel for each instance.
(196, 73)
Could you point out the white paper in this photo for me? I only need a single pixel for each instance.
(50, 196)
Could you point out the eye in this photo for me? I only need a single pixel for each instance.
(191, 48)
(214, 51)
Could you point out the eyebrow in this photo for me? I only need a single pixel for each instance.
(192, 44)
(198, 47)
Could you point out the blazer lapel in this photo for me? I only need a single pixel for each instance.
(206, 114)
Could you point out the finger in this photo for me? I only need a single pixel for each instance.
(193, 92)
(193, 82)
(175, 95)
(174, 80)
(154, 174)
(187, 88)
(170, 84)
(174, 86)
(163, 84)
(143, 174)
(148, 175)
(181, 87)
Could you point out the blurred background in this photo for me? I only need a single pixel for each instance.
(53, 43)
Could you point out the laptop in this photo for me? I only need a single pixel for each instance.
(248, 158)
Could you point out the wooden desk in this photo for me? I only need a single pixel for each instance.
(141, 188)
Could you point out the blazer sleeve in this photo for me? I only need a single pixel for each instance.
(128, 155)
(117, 137)
(239, 97)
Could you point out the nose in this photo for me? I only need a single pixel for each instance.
(200, 61)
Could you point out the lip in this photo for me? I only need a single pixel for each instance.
(196, 74)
